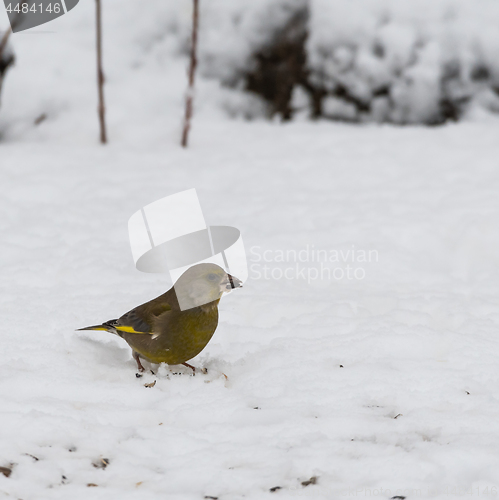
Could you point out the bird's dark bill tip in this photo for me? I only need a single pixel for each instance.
(234, 282)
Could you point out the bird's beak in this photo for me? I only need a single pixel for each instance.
(235, 282)
(232, 282)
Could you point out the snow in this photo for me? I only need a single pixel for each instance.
(380, 386)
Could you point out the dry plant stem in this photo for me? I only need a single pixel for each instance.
(3, 42)
(100, 75)
(192, 75)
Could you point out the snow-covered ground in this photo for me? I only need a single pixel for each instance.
(381, 386)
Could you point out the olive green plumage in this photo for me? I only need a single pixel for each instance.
(160, 332)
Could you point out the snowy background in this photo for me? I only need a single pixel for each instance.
(381, 386)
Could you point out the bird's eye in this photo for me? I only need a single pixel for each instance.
(212, 277)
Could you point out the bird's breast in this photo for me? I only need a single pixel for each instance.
(183, 337)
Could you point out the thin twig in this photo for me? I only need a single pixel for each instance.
(3, 69)
(100, 75)
(3, 42)
(192, 74)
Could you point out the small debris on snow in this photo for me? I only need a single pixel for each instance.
(101, 464)
(40, 119)
(275, 488)
(312, 480)
(152, 384)
(6, 471)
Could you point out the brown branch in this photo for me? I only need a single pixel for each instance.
(4, 64)
(192, 75)
(100, 75)
(3, 42)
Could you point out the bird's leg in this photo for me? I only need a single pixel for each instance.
(193, 368)
(137, 359)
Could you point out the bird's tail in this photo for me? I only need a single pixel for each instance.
(108, 326)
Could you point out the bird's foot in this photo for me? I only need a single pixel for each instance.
(193, 368)
(137, 360)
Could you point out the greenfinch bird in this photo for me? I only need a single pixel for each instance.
(160, 331)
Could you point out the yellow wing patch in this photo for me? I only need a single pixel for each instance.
(130, 329)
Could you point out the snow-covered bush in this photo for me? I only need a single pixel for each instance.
(256, 46)
(416, 61)
(411, 61)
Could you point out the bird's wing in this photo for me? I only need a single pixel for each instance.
(141, 320)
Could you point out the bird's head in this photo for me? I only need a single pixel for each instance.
(202, 284)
